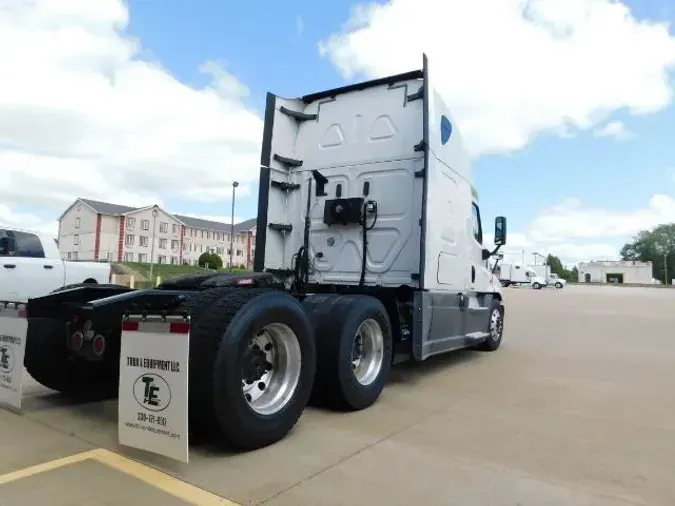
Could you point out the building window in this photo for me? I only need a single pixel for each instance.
(74, 255)
(143, 240)
(131, 223)
(174, 245)
(175, 229)
(69, 256)
(239, 252)
(163, 228)
(129, 241)
(161, 259)
(143, 257)
(162, 243)
(76, 239)
(174, 260)
(77, 222)
(145, 224)
(128, 257)
(186, 246)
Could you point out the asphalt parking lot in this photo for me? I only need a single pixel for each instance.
(576, 408)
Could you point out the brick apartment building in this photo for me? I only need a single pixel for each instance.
(93, 230)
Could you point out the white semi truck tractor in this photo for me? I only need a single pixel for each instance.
(369, 251)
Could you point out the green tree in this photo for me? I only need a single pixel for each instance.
(656, 246)
(215, 262)
(204, 259)
(210, 261)
(560, 270)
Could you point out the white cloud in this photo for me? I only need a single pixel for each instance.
(615, 129)
(575, 232)
(299, 25)
(572, 220)
(26, 221)
(83, 114)
(512, 69)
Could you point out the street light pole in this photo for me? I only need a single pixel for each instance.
(234, 187)
(152, 247)
(665, 267)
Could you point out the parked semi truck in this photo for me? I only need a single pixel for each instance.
(369, 251)
(31, 266)
(519, 274)
(552, 279)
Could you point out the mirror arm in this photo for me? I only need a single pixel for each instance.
(493, 253)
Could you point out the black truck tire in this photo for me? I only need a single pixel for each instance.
(220, 354)
(338, 320)
(495, 327)
(49, 362)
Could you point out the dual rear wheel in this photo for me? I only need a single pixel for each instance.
(256, 357)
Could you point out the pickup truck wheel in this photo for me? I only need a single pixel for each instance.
(49, 362)
(354, 349)
(252, 365)
(495, 327)
(558, 285)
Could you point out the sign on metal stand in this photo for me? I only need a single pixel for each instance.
(13, 327)
(153, 386)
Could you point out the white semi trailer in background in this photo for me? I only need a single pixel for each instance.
(552, 279)
(520, 274)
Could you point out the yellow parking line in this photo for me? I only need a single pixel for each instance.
(157, 479)
(46, 466)
(162, 481)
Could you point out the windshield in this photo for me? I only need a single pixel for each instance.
(554, 276)
(531, 274)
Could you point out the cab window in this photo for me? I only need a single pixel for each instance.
(28, 245)
(6, 243)
(477, 229)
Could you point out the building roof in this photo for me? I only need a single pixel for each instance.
(107, 208)
(189, 221)
(116, 210)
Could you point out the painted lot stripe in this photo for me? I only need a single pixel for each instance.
(157, 479)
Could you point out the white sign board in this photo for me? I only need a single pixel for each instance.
(12, 349)
(153, 392)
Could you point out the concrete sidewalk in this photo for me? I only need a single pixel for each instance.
(574, 409)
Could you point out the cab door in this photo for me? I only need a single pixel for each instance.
(9, 288)
(479, 283)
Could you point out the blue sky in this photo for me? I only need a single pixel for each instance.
(265, 49)
(563, 194)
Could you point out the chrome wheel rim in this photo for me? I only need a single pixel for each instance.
(368, 351)
(496, 325)
(271, 370)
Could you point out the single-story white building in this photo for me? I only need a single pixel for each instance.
(616, 271)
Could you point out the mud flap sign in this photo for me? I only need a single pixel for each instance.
(13, 326)
(153, 388)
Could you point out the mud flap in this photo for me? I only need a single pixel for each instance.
(153, 386)
(13, 327)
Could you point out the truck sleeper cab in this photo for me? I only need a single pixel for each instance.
(369, 251)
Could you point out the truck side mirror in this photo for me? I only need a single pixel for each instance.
(500, 231)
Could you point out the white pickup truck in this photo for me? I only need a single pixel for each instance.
(31, 266)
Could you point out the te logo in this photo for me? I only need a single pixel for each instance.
(152, 392)
(6, 359)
